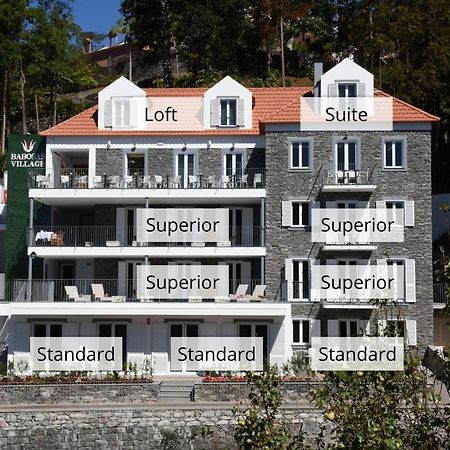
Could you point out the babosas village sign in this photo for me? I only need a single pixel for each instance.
(28, 158)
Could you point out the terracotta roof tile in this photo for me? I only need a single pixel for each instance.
(270, 105)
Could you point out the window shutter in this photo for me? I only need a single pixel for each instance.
(363, 204)
(70, 329)
(411, 332)
(333, 328)
(240, 112)
(122, 278)
(380, 204)
(121, 225)
(22, 338)
(332, 90)
(214, 113)
(361, 89)
(108, 113)
(410, 280)
(289, 276)
(409, 213)
(286, 214)
(88, 329)
(314, 328)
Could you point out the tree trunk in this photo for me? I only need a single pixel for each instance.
(167, 69)
(22, 99)
(37, 113)
(4, 103)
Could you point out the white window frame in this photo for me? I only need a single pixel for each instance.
(393, 139)
(308, 167)
(301, 321)
(408, 209)
(240, 151)
(290, 282)
(228, 100)
(287, 222)
(347, 326)
(115, 102)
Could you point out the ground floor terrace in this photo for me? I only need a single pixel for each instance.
(146, 329)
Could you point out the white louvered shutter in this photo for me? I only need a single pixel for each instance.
(409, 213)
(286, 214)
(410, 280)
(121, 225)
(332, 90)
(241, 112)
(214, 113)
(108, 113)
(361, 89)
(333, 328)
(315, 328)
(411, 332)
(289, 278)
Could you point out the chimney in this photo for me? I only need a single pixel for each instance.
(318, 71)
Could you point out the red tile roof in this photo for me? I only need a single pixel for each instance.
(271, 105)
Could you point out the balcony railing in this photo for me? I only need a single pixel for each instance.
(348, 177)
(112, 290)
(439, 294)
(251, 178)
(112, 236)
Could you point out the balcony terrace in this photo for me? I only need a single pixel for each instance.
(348, 179)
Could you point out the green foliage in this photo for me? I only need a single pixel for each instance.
(383, 410)
(261, 426)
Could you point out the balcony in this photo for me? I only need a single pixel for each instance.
(77, 186)
(348, 180)
(439, 296)
(113, 241)
(101, 291)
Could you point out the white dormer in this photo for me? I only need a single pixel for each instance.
(346, 79)
(121, 106)
(227, 104)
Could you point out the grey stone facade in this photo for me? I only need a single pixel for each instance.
(412, 184)
(165, 427)
(51, 394)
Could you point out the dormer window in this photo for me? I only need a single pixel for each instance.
(228, 112)
(121, 112)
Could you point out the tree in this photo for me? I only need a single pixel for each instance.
(259, 426)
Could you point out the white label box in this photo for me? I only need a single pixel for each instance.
(346, 114)
(216, 353)
(182, 281)
(357, 226)
(182, 225)
(357, 282)
(75, 354)
(357, 353)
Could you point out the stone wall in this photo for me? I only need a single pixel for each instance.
(171, 427)
(235, 391)
(52, 394)
(412, 184)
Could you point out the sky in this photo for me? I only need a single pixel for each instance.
(96, 15)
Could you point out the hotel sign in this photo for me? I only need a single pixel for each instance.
(28, 158)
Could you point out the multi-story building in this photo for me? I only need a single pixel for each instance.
(224, 148)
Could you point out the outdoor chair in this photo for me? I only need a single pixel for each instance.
(72, 294)
(100, 295)
(240, 292)
(258, 293)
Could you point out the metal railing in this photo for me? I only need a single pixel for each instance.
(439, 294)
(113, 236)
(250, 178)
(348, 176)
(113, 290)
